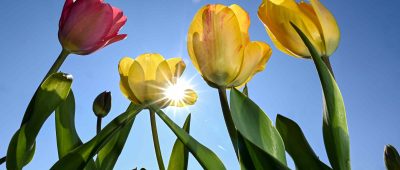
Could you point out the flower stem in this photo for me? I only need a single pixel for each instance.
(57, 64)
(328, 64)
(228, 118)
(155, 140)
(54, 68)
(98, 127)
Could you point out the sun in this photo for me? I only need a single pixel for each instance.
(176, 92)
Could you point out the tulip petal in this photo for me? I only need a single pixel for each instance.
(330, 29)
(116, 38)
(136, 77)
(244, 21)
(164, 73)
(123, 68)
(190, 98)
(256, 55)
(277, 15)
(195, 27)
(177, 66)
(149, 63)
(219, 51)
(119, 20)
(65, 12)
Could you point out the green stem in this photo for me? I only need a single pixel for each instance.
(98, 127)
(228, 118)
(57, 64)
(54, 68)
(2, 160)
(328, 64)
(155, 140)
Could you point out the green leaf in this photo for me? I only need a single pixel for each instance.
(297, 146)
(206, 158)
(51, 93)
(108, 155)
(336, 135)
(392, 158)
(255, 126)
(252, 157)
(180, 154)
(67, 137)
(80, 156)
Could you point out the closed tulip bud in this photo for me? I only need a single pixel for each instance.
(392, 158)
(313, 19)
(88, 25)
(147, 79)
(102, 104)
(220, 48)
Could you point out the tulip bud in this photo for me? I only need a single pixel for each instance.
(102, 104)
(392, 158)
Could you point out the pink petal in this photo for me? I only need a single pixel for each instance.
(116, 38)
(66, 9)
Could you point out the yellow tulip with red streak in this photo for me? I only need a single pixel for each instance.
(220, 48)
(314, 20)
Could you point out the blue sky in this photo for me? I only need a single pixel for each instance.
(366, 66)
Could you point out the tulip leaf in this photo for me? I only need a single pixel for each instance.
(67, 137)
(180, 154)
(392, 158)
(256, 127)
(206, 158)
(51, 93)
(297, 146)
(80, 156)
(108, 155)
(253, 157)
(335, 130)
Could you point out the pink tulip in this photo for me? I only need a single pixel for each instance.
(89, 25)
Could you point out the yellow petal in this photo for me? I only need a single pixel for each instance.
(195, 27)
(164, 74)
(330, 29)
(177, 66)
(149, 63)
(136, 80)
(123, 68)
(244, 21)
(189, 99)
(219, 50)
(277, 15)
(256, 55)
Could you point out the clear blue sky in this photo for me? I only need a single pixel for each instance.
(366, 65)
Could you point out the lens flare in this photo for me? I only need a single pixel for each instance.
(176, 92)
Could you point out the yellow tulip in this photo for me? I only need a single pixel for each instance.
(220, 48)
(312, 18)
(146, 79)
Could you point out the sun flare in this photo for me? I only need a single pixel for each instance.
(176, 92)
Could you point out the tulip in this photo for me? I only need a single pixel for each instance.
(220, 48)
(313, 19)
(146, 80)
(89, 25)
